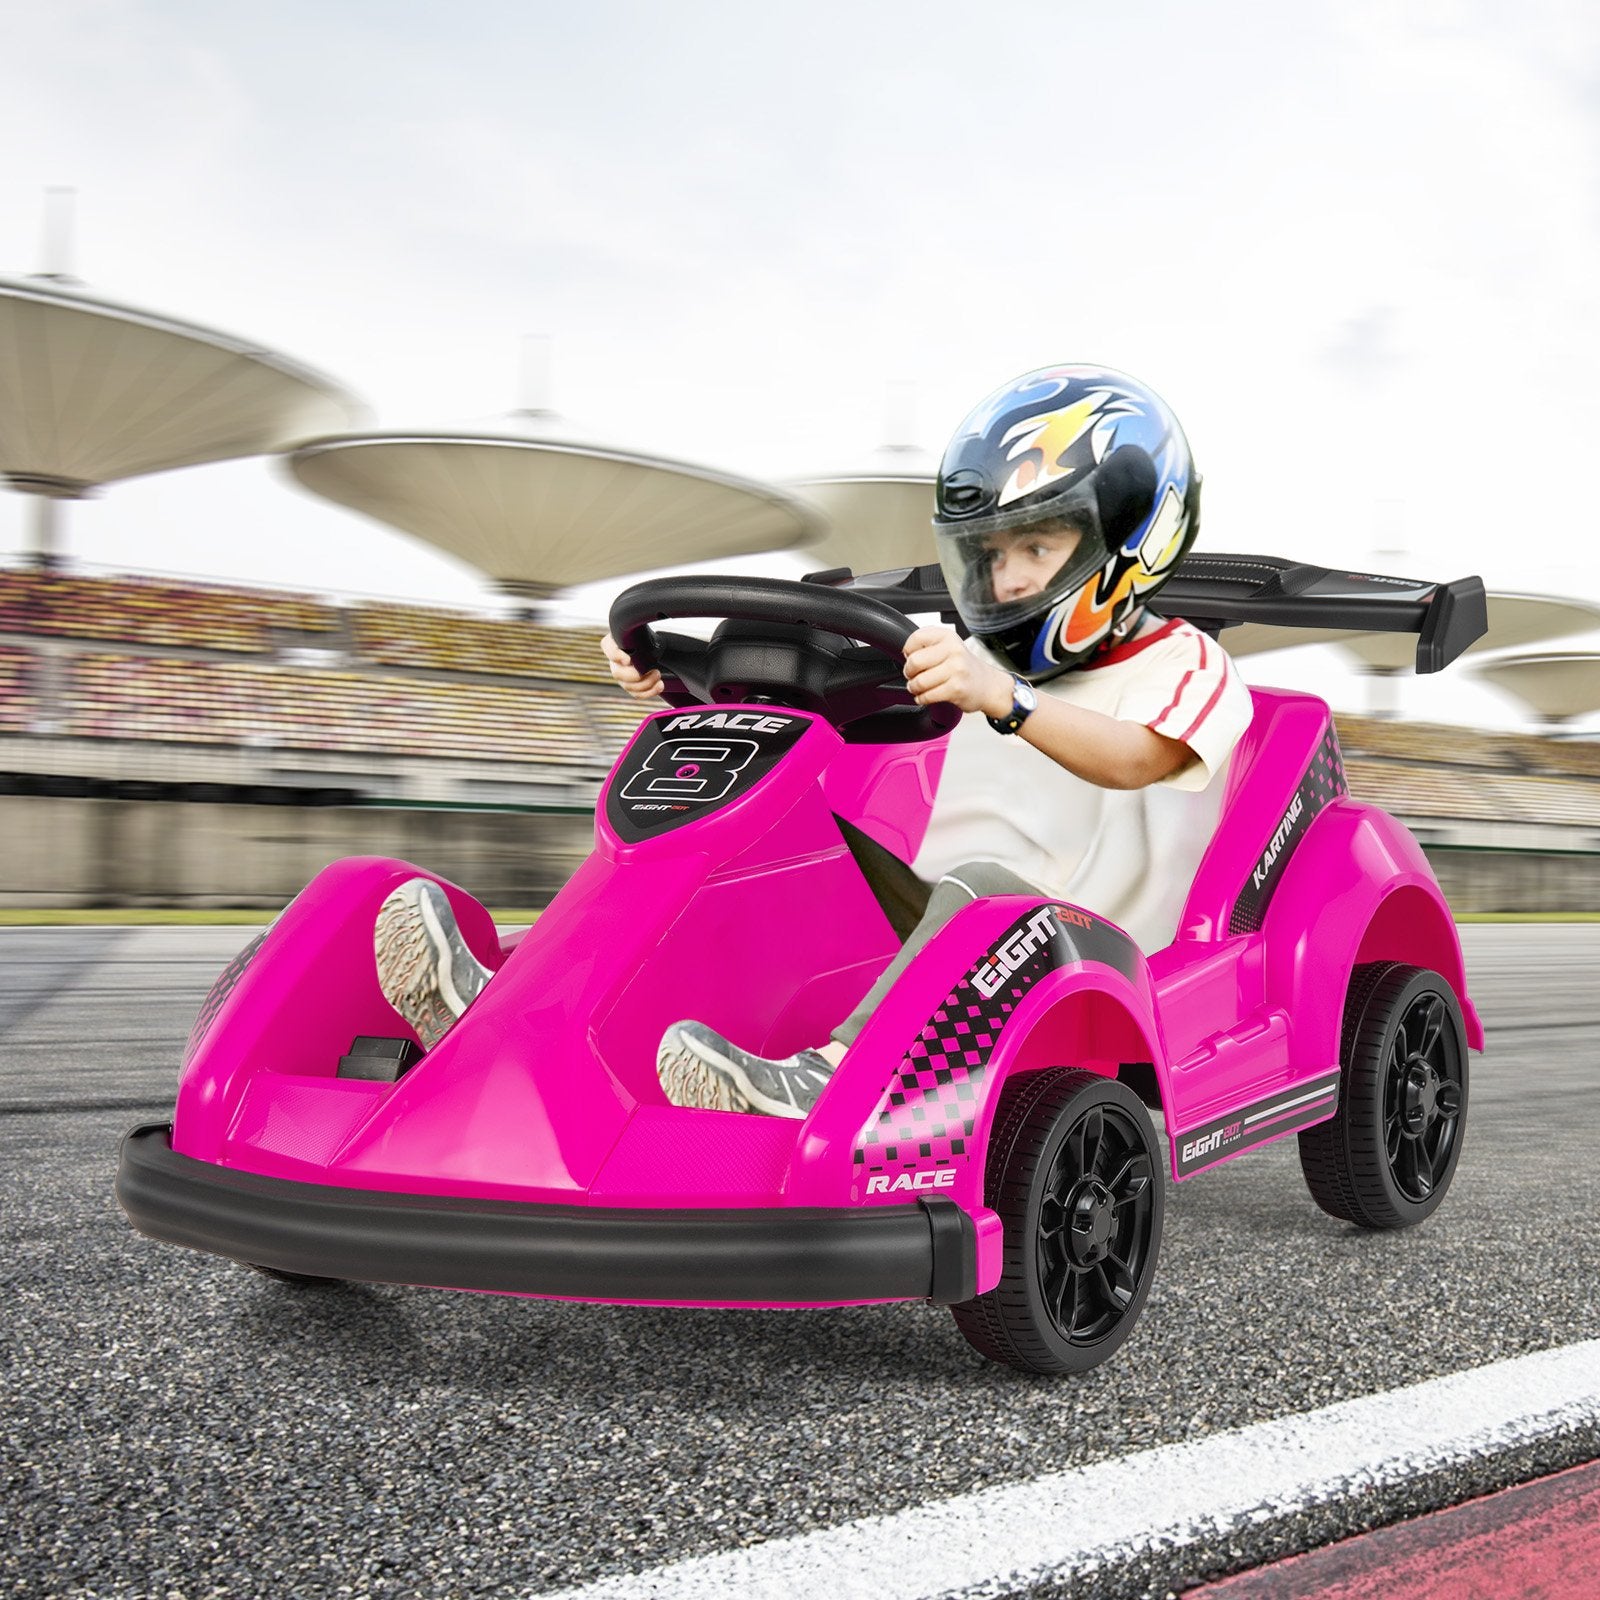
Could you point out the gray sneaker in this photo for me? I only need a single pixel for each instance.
(425, 969)
(700, 1068)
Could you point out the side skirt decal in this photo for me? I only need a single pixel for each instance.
(1285, 1112)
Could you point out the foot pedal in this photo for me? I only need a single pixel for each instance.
(379, 1060)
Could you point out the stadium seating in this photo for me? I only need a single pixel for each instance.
(614, 718)
(1419, 791)
(162, 613)
(152, 612)
(1439, 745)
(168, 699)
(18, 702)
(1579, 757)
(446, 641)
(1429, 770)
(192, 666)
(1432, 743)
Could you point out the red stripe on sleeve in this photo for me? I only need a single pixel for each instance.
(1210, 705)
(1205, 710)
(1183, 683)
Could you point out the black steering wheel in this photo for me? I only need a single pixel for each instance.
(834, 652)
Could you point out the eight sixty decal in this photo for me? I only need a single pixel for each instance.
(1298, 1106)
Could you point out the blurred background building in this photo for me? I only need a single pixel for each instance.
(179, 740)
(168, 741)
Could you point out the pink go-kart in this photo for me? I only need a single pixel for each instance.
(986, 1143)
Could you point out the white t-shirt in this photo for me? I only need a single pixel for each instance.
(1128, 854)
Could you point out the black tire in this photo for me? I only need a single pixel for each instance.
(1068, 1146)
(301, 1280)
(1387, 1158)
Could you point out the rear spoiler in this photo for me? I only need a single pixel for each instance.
(1221, 591)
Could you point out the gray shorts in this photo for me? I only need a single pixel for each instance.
(898, 892)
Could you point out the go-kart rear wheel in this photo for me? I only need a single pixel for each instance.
(1075, 1175)
(1387, 1157)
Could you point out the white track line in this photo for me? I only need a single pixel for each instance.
(1073, 1522)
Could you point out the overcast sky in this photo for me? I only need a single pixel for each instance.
(1354, 244)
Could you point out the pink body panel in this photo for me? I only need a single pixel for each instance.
(755, 919)
(295, 1014)
(887, 790)
(1263, 774)
(1331, 913)
(1251, 998)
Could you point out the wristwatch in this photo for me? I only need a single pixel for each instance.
(1023, 701)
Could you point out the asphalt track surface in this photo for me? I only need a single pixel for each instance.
(175, 1425)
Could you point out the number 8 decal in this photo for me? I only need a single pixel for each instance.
(691, 769)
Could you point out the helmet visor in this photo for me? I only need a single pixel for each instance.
(1002, 574)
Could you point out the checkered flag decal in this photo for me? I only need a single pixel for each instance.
(1325, 776)
(927, 1114)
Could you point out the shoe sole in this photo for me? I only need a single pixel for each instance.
(688, 1081)
(723, 1083)
(427, 975)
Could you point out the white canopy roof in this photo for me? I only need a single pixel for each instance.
(1556, 685)
(879, 516)
(92, 391)
(536, 509)
(1514, 619)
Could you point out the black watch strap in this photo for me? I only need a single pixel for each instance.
(1023, 702)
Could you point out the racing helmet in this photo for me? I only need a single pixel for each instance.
(1063, 503)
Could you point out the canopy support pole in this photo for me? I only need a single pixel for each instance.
(46, 529)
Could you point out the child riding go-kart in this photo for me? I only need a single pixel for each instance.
(986, 1142)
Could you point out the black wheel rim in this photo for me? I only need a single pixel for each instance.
(1422, 1097)
(1095, 1223)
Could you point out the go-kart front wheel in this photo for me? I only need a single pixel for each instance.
(1075, 1175)
(1387, 1157)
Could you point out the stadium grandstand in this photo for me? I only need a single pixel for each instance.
(202, 687)
(127, 688)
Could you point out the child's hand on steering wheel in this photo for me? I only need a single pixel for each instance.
(939, 667)
(641, 685)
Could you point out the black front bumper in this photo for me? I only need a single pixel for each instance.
(780, 1255)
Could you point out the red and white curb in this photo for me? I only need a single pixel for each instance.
(1072, 1523)
(1538, 1541)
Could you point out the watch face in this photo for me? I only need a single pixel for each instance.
(1025, 697)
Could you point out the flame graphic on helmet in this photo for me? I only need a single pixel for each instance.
(1087, 616)
(1164, 535)
(1053, 435)
(1091, 612)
